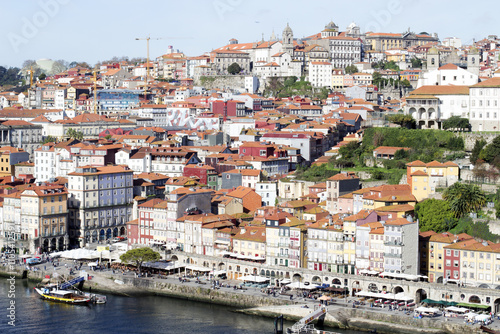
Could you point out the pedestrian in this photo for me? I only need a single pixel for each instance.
(291, 297)
(90, 289)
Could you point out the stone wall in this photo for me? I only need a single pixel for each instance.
(222, 82)
(399, 324)
(470, 138)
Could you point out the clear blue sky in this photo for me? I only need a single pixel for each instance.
(98, 30)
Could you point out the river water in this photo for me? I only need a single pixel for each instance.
(147, 314)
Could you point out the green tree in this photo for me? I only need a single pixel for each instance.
(401, 154)
(476, 151)
(140, 255)
(456, 123)
(42, 76)
(234, 68)
(478, 229)
(391, 65)
(491, 151)
(72, 133)
(49, 139)
(351, 69)
(405, 121)
(464, 199)
(416, 63)
(435, 215)
(274, 86)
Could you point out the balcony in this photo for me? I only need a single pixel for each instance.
(294, 246)
(391, 255)
(284, 244)
(393, 243)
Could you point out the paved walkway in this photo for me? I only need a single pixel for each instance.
(102, 277)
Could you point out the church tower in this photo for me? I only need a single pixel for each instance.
(432, 59)
(288, 40)
(473, 62)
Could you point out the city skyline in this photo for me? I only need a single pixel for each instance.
(50, 28)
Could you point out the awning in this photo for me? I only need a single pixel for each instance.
(198, 268)
(457, 309)
(299, 285)
(252, 278)
(218, 272)
(469, 305)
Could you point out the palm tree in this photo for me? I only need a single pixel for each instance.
(464, 198)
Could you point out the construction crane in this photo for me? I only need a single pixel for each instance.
(31, 76)
(147, 62)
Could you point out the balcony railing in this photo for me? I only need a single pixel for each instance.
(398, 256)
(393, 243)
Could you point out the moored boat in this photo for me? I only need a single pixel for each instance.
(63, 296)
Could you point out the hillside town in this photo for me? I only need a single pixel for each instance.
(349, 152)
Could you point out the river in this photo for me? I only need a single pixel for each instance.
(147, 314)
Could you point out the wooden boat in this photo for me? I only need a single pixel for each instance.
(488, 330)
(63, 296)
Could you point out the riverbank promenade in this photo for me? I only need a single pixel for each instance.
(293, 303)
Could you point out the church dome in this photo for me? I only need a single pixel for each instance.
(331, 25)
(287, 29)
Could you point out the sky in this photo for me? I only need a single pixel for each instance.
(93, 31)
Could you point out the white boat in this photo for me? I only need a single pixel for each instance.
(63, 296)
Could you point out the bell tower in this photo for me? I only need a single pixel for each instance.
(473, 61)
(287, 40)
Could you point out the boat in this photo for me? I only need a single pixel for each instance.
(63, 296)
(488, 330)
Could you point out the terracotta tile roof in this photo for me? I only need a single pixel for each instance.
(251, 233)
(493, 82)
(416, 163)
(396, 208)
(342, 176)
(360, 215)
(448, 67)
(399, 222)
(389, 149)
(442, 90)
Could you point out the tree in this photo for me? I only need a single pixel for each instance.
(72, 133)
(405, 121)
(42, 76)
(491, 151)
(139, 256)
(401, 154)
(416, 63)
(434, 215)
(456, 123)
(464, 199)
(49, 139)
(234, 68)
(351, 69)
(476, 151)
(274, 86)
